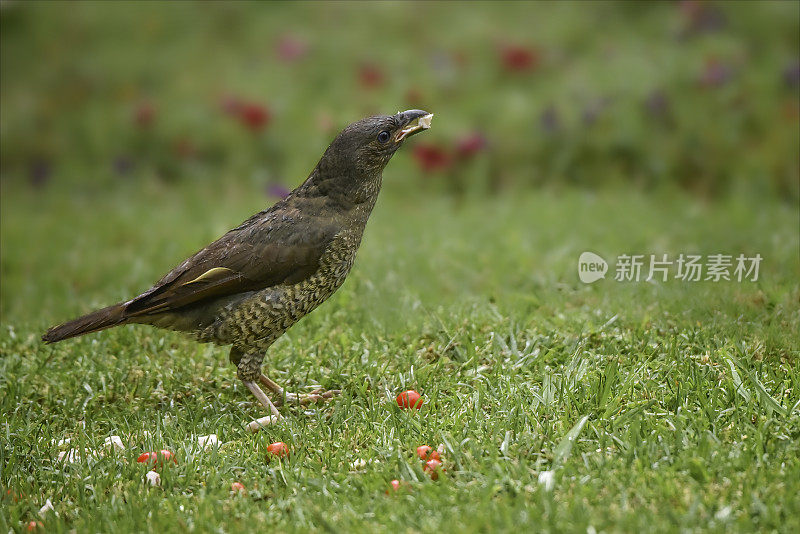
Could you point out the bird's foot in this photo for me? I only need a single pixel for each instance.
(276, 416)
(304, 399)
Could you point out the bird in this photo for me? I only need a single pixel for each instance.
(247, 288)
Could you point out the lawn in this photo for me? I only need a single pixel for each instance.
(134, 133)
(666, 406)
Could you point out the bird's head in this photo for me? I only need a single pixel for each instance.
(373, 141)
(354, 161)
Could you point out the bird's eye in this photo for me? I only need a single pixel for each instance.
(383, 136)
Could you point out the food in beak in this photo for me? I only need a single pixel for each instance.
(417, 125)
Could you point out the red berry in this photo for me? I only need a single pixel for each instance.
(33, 525)
(238, 487)
(145, 457)
(395, 485)
(410, 399)
(279, 449)
(426, 452)
(156, 458)
(432, 466)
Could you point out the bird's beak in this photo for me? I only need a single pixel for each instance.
(411, 122)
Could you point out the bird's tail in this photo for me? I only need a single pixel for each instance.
(93, 322)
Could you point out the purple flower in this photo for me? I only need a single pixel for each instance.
(657, 103)
(701, 17)
(277, 190)
(122, 165)
(291, 48)
(40, 171)
(549, 120)
(791, 75)
(715, 74)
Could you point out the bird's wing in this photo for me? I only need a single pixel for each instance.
(270, 248)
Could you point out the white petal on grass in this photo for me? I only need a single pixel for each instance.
(153, 478)
(359, 464)
(114, 441)
(71, 456)
(723, 513)
(209, 441)
(547, 479)
(48, 507)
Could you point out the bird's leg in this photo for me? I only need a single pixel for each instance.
(318, 395)
(248, 369)
(262, 397)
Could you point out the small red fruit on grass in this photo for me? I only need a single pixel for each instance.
(278, 449)
(395, 485)
(157, 458)
(33, 525)
(432, 467)
(238, 487)
(410, 399)
(426, 452)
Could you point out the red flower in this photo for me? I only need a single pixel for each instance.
(370, 76)
(144, 114)
(254, 116)
(431, 157)
(470, 144)
(519, 59)
(291, 48)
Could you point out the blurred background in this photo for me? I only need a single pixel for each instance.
(125, 123)
(699, 95)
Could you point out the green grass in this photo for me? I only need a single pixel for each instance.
(688, 391)
(665, 407)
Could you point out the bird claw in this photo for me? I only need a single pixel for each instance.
(255, 426)
(304, 399)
